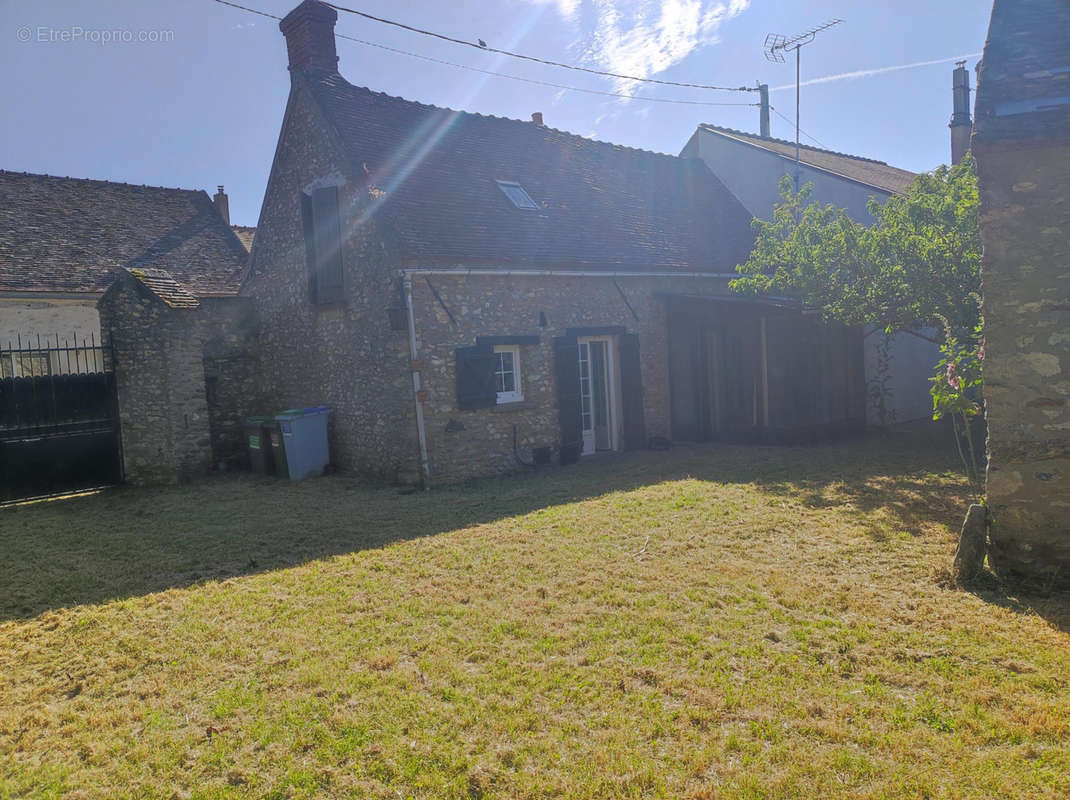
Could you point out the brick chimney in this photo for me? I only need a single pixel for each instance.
(222, 204)
(961, 124)
(536, 117)
(309, 32)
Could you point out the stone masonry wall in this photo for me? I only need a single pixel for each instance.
(160, 377)
(346, 355)
(1025, 228)
(231, 373)
(169, 431)
(465, 444)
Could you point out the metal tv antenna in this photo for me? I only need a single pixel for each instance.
(774, 48)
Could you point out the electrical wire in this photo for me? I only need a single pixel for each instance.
(500, 74)
(537, 60)
(804, 133)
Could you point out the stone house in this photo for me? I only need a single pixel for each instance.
(62, 240)
(1021, 143)
(752, 165)
(472, 293)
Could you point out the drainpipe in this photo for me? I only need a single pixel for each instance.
(765, 379)
(425, 466)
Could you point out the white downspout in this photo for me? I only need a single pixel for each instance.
(425, 464)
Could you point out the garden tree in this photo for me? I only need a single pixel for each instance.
(917, 264)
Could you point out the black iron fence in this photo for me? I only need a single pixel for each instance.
(55, 385)
(59, 418)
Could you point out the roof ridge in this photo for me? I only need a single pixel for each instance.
(432, 107)
(722, 129)
(104, 181)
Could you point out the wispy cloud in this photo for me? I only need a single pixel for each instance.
(865, 73)
(566, 8)
(644, 37)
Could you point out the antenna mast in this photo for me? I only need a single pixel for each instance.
(774, 48)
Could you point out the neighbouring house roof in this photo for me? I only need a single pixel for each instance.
(871, 172)
(432, 176)
(72, 235)
(245, 234)
(162, 284)
(1023, 89)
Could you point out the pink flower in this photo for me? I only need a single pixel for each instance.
(952, 379)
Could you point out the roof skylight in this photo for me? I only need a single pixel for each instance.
(515, 192)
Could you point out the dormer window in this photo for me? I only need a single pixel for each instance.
(515, 192)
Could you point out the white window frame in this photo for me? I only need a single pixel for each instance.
(517, 395)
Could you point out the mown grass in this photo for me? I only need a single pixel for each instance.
(709, 622)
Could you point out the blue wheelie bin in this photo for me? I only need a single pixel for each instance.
(304, 439)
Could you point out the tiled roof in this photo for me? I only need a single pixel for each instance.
(161, 283)
(431, 175)
(869, 171)
(1023, 89)
(245, 234)
(73, 235)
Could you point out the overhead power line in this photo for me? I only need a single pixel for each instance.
(804, 133)
(488, 49)
(499, 74)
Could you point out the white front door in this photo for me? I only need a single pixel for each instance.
(597, 394)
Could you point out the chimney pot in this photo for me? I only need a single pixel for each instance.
(309, 32)
(537, 118)
(222, 204)
(961, 124)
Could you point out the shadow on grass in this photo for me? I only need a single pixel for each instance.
(129, 542)
(1027, 598)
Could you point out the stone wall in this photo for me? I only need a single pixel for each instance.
(169, 431)
(1025, 228)
(344, 355)
(231, 359)
(465, 444)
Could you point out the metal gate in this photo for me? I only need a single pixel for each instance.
(59, 417)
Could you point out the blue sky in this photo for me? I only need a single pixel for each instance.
(199, 102)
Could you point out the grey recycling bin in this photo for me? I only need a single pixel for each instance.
(304, 438)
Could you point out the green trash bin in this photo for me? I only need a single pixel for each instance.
(278, 450)
(258, 442)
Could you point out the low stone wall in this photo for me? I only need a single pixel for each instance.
(1025, 228)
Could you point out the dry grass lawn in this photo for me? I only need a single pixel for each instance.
(710, 622)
